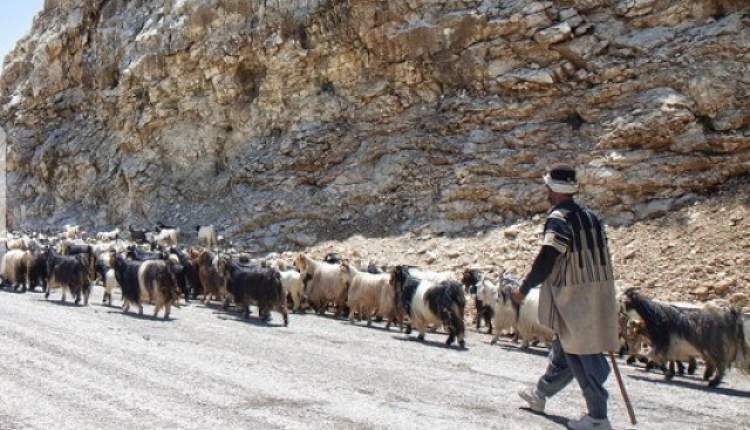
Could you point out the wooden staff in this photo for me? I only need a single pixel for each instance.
(628, 406)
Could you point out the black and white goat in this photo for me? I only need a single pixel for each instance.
(715, 334)
(483, 292)
(428, 302)
(166, 235)
(151, 280)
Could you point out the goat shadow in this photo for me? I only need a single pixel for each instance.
(694, 386)
(68, 303)
(11, 290)
(432, 343)
(328, 316)
(135, 315)
(363, 324)
(510, 347)
(230, 314)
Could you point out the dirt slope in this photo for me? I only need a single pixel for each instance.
(696, 253)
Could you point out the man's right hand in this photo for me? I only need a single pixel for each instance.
(518, 296)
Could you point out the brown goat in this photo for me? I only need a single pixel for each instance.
(214, 285)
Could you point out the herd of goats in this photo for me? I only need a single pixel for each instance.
(150, 267)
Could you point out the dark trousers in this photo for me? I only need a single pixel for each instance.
(590, 371)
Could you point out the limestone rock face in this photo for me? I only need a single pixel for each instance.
(290, 122)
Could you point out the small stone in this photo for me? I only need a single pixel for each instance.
(510, 233)
(701, 292)
(430, 257)
(555, 34)
(568, 13)
(583, 29)
(739, 299)
(724, 286)
(575, 21)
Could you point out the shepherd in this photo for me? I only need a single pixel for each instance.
(577, 301)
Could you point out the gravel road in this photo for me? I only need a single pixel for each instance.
(69, 367)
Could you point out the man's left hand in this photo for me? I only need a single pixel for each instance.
(518, 296)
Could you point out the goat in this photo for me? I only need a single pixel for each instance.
(428, 302)
(71, 231)
(72, 274)
(38, 270)
(333, 258)
(166, 237)
(291, 280)
(108, 235)
(189, 272)
(364, 291)
(207, 236)
(523, 319)
(213, 284)
(157, 279)
(126, 274)
(474, 281)
(136, 254)
(261, 286)
(22, 243)
(716, 335)
(322, 284)
(14, 268)
(110, 283)
(137, 236)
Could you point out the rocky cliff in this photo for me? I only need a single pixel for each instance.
(287, 122)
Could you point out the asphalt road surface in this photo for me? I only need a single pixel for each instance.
(69, 367)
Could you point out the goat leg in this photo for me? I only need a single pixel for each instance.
(709, 371)
(719, 376)
(680, 368)
(692, 366)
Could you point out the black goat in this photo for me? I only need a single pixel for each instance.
(261, 286)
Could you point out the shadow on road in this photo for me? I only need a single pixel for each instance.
(11, 290)
(431, 343)
(58, 302)
(136, 315)
(700, 386)
(510, 347)
(557, 419)
(371, 327)
(235, 315)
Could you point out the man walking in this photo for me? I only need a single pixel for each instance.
(577, 301)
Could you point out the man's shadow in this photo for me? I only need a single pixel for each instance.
(557, 419)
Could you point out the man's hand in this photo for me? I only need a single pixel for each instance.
(518, 296)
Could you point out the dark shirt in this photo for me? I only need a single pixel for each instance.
(557, 237)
